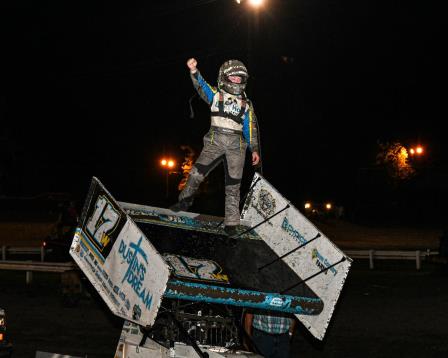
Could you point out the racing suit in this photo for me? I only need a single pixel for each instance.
(233, 129)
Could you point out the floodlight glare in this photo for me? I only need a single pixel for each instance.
(256, 3)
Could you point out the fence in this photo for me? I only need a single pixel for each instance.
(8, 250)
(416, 255)
(30, 266)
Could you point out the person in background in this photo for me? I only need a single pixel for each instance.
(270, 332)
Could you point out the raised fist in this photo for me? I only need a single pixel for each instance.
(192, 63)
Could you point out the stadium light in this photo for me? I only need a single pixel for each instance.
(418, 150)
(167, 163)
(253, 3)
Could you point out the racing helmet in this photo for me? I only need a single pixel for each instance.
(232, 68)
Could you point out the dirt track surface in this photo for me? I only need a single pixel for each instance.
(391, 311)
(348, 235)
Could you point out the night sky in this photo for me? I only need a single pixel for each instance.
(102, 89)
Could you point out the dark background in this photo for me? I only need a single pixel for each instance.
(101, 89)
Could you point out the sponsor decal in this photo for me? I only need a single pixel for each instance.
(183, 220)
(286, 226)
(137, 261)
(265, 205)
(322, 262)
(196, 269)
(135, 212)
(277, 302)
(231, 106)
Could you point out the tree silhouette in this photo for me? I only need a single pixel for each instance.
(394, 157)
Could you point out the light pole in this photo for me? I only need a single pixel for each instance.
(168, 164)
